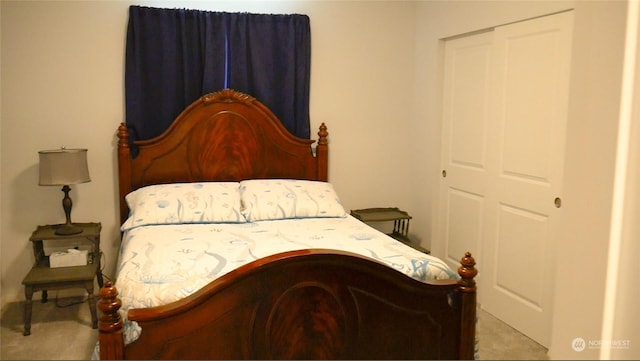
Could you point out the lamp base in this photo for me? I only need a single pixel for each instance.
(67, 229)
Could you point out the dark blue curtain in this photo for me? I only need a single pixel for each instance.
(174, 56)
(269, 58)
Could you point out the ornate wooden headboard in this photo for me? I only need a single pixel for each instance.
(223, 136)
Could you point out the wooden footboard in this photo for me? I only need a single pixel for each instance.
(306, 304)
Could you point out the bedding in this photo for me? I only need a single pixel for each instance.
(160, 264)
(265, 199)
(179, 203)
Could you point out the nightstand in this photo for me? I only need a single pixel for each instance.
(400, 220)
(41, 277)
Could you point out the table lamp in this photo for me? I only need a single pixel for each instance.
(61, 167)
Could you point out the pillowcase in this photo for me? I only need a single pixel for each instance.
(175, 203)
(267, 199)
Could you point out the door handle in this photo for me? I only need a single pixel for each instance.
(557, 202)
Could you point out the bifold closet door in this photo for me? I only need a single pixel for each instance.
(503, 157)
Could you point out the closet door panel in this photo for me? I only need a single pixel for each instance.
(527, 138)
(464, 146)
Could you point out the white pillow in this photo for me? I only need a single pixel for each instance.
(266, 199)
(175, 203)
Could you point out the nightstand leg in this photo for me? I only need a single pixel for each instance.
(92, 305)
(28, 292)
(99, 274)
(45, 296)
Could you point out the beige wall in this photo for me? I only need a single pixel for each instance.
(621, 313)
(62, 67)
(376, 73)
(61, 86)
(591, 143)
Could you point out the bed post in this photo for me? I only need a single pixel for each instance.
(467, 288)
(124, 169)
(322, 154)
(110, 324)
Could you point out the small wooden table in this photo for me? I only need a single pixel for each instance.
(400, 220)
(41, 277)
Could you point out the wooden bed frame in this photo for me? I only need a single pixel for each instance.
(307, 304)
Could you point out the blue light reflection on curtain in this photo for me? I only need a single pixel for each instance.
(174, 56)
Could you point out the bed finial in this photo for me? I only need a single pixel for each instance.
(322, 134)
(322, 154)
(467, 272)
(110, 323)
(123, 136)
(124, 169)
(467, 287)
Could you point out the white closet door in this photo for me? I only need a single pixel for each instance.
(465, 124)
(509, 215)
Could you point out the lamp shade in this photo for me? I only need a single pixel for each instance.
(63, 166)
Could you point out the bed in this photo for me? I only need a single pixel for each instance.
(302, 279)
